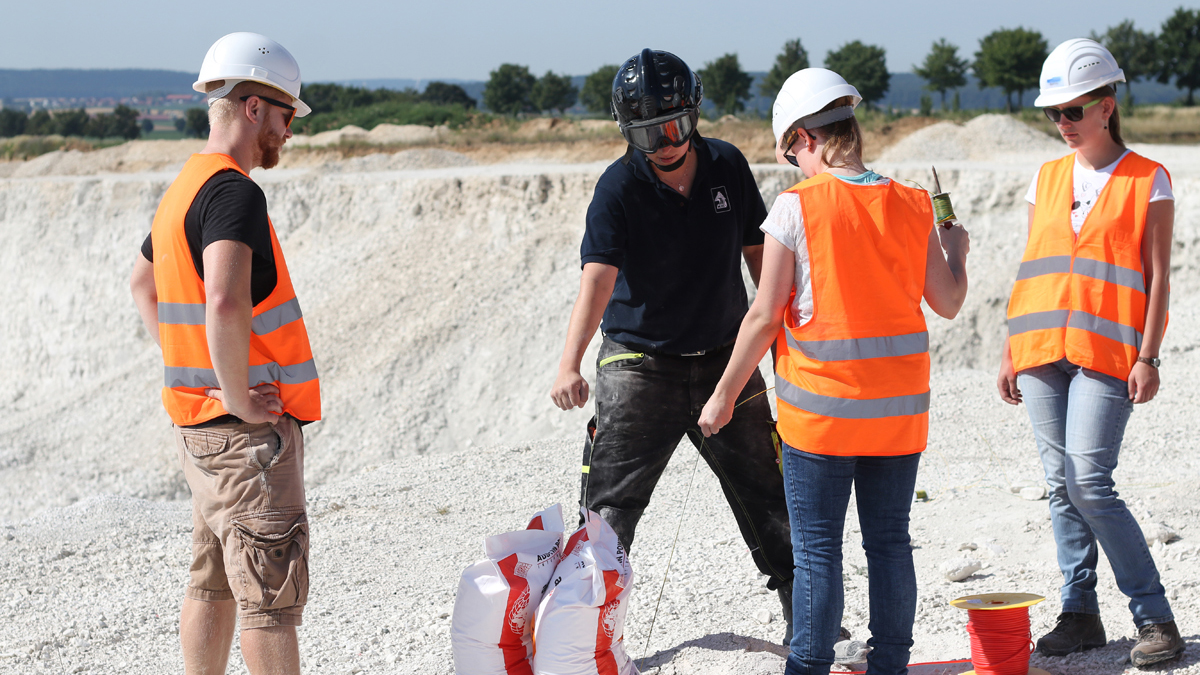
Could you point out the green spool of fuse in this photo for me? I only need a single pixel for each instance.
(943, 210)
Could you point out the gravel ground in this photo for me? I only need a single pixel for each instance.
(436, 438)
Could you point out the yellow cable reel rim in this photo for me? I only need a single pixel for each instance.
(996, 601)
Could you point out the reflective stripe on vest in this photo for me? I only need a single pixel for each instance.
(854, 379)
(279, 346)
(176, 376)
(1083, 298)
(192, 314)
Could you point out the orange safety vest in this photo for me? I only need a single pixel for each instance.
(1083, 298)
(854, 379)
(279, 350)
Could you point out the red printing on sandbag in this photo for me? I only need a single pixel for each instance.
(607, 625)
(516, 657)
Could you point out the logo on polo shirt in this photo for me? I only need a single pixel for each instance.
(720, 199)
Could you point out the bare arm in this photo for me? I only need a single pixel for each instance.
(753, 256)
(1007, 380)
(757, 334)
(145, 295)
(228, 311)
(946, 275)
(1156, 260)
(596, 283)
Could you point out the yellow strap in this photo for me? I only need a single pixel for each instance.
(586, 469)
(619, 357)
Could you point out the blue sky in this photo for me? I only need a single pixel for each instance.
(444, 39)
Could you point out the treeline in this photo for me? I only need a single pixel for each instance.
(122, 122)
(334, 106)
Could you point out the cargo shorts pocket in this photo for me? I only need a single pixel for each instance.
(200, 443)
(273, 565)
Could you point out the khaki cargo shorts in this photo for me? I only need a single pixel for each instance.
(250, 530)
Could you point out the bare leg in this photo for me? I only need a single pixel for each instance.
(206, 633)
(271, 651)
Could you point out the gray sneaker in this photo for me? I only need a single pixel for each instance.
(1156, 642)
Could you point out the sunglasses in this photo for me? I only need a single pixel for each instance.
(673, 130)
(1074, 113)
(291, 109)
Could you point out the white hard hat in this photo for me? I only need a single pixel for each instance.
(804, 94)
(239, 57)
(1073, 69)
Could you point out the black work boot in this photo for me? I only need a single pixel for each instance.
(1156, 642)
(785, 599)
(1075, 632)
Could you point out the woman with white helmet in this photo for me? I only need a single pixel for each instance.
(1085, 322)
(849, 258)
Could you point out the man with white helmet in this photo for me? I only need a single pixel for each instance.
(1086, 322)
(849, 257)
(214, 292)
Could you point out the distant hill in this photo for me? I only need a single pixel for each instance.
(84, 84)
(905, 92)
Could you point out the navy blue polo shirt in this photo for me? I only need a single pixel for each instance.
(679, 283)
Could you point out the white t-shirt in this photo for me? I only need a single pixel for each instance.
(1089, 183)
(785, 224)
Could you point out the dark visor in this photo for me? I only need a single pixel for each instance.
(673, 130)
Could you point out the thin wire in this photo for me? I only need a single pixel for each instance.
(682, 513)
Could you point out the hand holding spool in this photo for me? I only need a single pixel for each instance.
(943, 210)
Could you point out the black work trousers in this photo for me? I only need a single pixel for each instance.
(645, 403)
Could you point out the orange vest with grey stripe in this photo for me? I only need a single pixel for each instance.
(279, 349)
(1083, 298)
(854, 379)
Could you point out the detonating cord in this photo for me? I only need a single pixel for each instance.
(682, 513)
(1000, 641)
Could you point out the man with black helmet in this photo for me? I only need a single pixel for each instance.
(667, 230)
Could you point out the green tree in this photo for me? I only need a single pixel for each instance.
(1179, 51)
(509, 89)
(596, 94)
(147, 126)
(180, 124)
(791, 59)
(197, 122)
(726, 84)
(71, 122)
(1134, 51)
(40, 123)
(1011, 59)
(864, 66)
(125, 123)
(554, 92)
(12, 122)
(443, 93)
(942, 70)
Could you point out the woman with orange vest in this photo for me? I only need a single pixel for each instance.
(1085, 322)
(849, 257)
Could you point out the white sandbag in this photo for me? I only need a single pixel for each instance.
(580, 625)
(491, 631)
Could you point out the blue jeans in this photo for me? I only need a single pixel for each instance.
(818, 492)
(1079, 418)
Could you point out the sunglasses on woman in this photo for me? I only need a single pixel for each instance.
(291, 110)
(1074, 113)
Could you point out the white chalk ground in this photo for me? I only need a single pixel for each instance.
(437, 299)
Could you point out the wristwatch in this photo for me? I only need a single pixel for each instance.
(1153, 361)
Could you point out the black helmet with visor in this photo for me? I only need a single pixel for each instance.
(656, 100)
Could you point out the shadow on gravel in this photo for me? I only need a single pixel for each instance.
(719, 642)
(1113, 659)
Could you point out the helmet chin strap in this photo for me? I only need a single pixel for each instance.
(668, 168)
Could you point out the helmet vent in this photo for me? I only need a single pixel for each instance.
(264, 50)
(1088, 65)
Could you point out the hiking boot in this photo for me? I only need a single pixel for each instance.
(1074, 632)
(1156, 642)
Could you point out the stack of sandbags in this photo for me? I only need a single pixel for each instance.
(580, 625)
(491, 631)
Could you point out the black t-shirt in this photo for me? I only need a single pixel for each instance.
(679, 287)
(230, 207)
